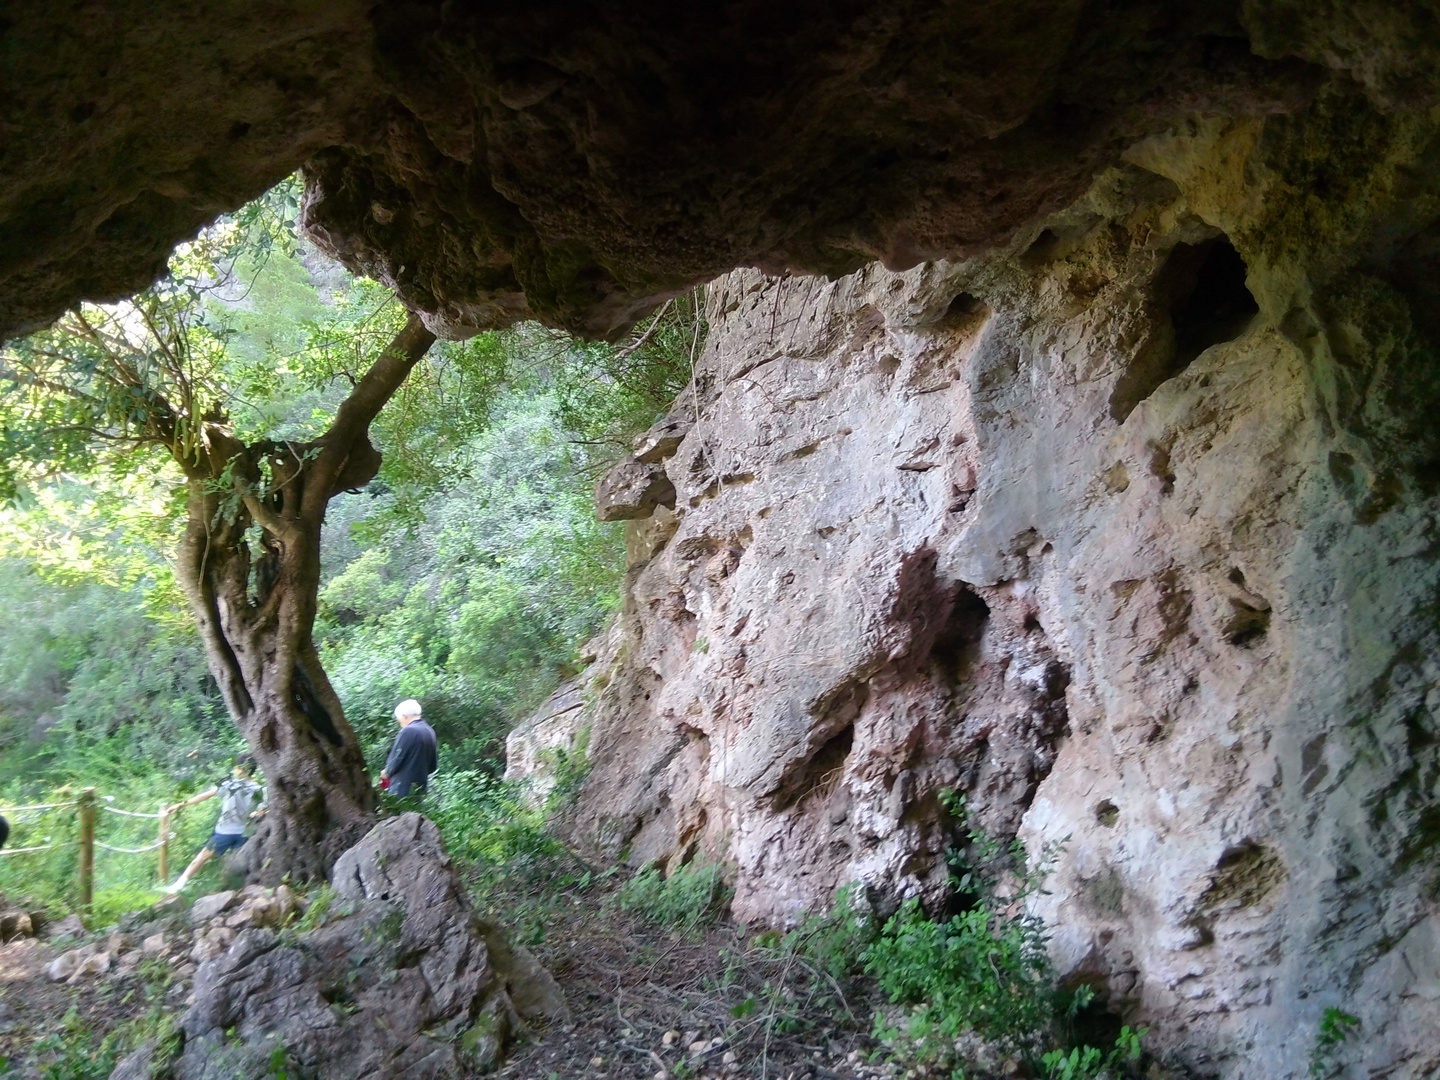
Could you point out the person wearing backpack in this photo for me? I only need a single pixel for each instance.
(238, 796)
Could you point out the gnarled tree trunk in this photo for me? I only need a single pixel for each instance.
(250, 568)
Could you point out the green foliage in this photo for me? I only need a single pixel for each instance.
(75, 1053)
(833, 943)
(985, 971)
(319, 906)
(280, 1066)
(478, 608)
(484, 819)
(1335, 1027)
(567, 769)
(606, 395)
(466, 575)
(1089, 1063)
(84, 665)
(688, 897)
(95, 692)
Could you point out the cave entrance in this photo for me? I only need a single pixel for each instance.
(957, 646)
(1201, 291)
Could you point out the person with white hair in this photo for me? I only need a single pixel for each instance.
(414, 757)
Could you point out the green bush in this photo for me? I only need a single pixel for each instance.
(985, 972)
(484, 819)
(1335, 1027)
(689, 897)
(75, 1052)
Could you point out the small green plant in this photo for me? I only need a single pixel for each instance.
(281, 1068)
(690, 896)
(1082, 1063)
(314, 916)
(1335, 1027)
(985, 971)
(74, 1053)
(568, 768)
(1089, 1063)
(386, 930)
(833, 943)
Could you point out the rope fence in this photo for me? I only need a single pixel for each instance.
(86, 806)
(38, 806)
(130, 850)
(27, 850)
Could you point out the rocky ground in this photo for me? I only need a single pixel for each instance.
(647, 1000)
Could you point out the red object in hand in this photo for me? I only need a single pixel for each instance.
(384, 783)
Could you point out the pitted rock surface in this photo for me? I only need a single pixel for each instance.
(631, 490)
(1128, 535)
(581, 162)
(400, 979)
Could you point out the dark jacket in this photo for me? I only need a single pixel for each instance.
(413, 758)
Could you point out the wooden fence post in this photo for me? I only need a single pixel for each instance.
(163, 857)
(87, 847)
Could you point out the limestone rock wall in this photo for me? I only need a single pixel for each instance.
(1129, 534)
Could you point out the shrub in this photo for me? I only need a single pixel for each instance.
(690, 896)
(482, 818)
(985, 972)
(1335, 1028)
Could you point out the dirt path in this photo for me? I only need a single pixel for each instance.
(652, 1000)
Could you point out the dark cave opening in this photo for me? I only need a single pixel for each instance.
(957, 646)
(1204, 287)
(964, 313)
(1201, 289)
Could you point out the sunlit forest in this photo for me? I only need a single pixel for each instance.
(466, 574)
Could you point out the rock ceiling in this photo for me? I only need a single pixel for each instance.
(579, 162)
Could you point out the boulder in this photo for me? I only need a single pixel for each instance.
(64, 965)
(402, 978)
(139, 1064)
(633, 490)
(97, 963)
(16, 923)
(211, 943)
(68, 927)
(154, 945)
(77, 964)
(256, 911)
(662, 440)
(207, 907)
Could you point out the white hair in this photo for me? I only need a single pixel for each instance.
(409, 707)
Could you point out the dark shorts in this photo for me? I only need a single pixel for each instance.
(221, 842)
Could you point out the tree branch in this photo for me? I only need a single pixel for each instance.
(646, 336)
(275, 524)
(352, 420)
